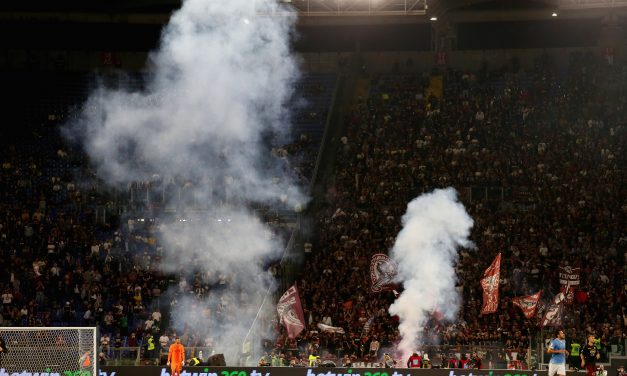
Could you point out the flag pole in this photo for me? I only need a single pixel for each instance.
(258, 313)
(529, 366)
(270, 289)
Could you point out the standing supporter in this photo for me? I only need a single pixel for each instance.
(414, 361)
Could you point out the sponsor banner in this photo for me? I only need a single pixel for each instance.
(302, 371)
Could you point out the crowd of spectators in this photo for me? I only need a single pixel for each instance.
(545, 148)
(63, 266)
(60, 266)
(69, 255)
(538, 159)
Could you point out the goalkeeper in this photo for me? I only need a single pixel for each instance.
(85, 361)
(176, 357)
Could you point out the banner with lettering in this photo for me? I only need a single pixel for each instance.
(569, 278)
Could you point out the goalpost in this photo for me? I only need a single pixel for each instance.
(49, 351)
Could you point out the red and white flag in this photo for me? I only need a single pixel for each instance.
(553, 313)
(290, 312)
(490, 285)
(382, 272)
(528, 304)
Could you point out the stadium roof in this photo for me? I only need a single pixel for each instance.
(322, 11)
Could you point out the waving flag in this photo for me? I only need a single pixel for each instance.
(382, 272)
(553, 313)
(490, 285)
(290, 312)
(528, 304)
(569, 280)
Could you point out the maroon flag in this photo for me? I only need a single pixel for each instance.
(569, 279)
(569, 294)
(291, 312)
(553, 313)
(382, 272)
(490, 285)
(528, 304)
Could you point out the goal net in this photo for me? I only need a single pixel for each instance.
(48, 351)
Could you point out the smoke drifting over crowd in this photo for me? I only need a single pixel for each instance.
(434, 227)
(217, 93)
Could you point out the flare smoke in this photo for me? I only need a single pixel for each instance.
(216, 95)
(434, 226)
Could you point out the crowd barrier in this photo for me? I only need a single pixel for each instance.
(288, 371)
(303, 371)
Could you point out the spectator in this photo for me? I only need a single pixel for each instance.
(164, 340)
(105, 342)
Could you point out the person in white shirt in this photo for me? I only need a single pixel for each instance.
(108, 319)
(87, 315)
(156, 315)
(148, 324)
(7, 298)
(327, 320)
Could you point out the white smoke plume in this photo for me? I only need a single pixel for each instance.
(216, 96)
(434, 227)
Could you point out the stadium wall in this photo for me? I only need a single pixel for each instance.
(460, 60)
(83, 61)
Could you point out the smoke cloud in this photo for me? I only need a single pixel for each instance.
(434, 226)
(215, 100)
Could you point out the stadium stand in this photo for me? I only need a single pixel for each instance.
(536, 157)
(63, 261)
(537, 154)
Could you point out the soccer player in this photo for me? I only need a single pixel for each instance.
(85, 361)
(176, 357)
(557, 349)
(589, 356)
